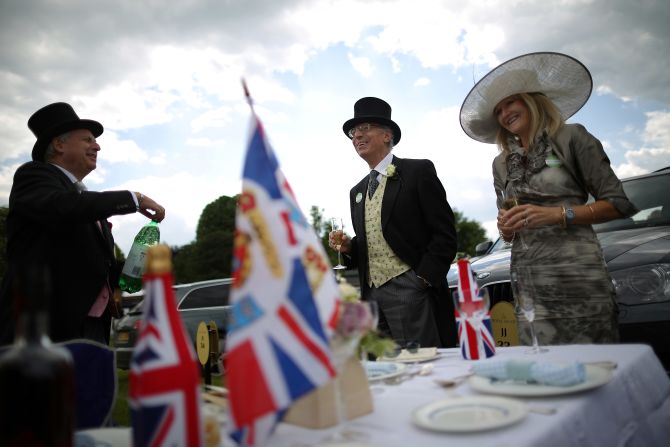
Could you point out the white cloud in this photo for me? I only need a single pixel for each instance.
(6, 180)
(159, 159)
(205, 142)
(115, 150)
(395, 65)
(219, 117)
(165, 82)
(361, 64)
(655, 152)
(422, 82)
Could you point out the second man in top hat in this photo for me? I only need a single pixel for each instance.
(405, 234)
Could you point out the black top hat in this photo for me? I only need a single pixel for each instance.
(57, 119)
(372, 110)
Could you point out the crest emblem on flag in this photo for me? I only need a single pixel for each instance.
(164, 380)
(284, 301)
(475, 331)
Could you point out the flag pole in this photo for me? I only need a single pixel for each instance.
(248, 96)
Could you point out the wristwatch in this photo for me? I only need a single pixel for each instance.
(569, 216)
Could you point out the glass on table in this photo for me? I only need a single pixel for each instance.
(525, 293)
(343, 347)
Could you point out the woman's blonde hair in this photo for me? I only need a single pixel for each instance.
(544, 115)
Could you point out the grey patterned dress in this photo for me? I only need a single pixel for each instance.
(562, 269)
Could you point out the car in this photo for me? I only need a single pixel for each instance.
(637, 253)
(202, 301)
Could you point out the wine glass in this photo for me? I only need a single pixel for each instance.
(510, 199)
(338, 232)
(523, 287)
(343, 348)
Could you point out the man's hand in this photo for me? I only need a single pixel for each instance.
(338, 240)
(149, 208)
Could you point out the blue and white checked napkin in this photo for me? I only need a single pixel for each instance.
(545, 373)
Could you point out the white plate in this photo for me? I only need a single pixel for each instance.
(595, 377)
(383, 370)
(469, 413)
(422, 355)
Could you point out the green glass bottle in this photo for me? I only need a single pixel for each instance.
(133, 269)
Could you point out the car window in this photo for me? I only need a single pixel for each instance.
(206, 296)
(650, 196)
(500, 244)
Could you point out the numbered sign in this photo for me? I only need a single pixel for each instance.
(202, 343)
(505, 330)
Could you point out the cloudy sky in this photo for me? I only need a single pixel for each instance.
(163, 77)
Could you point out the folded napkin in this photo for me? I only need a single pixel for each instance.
(545, 373)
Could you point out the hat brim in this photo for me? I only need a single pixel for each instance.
(562, 78)
(41, 144)
(373, 119)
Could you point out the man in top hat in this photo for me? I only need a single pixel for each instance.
(56, 226)
(405, 236)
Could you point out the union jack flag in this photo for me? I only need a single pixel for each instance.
(284, 301)
(164, 378)
(476, 340)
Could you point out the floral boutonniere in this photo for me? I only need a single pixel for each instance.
(359, 197)
(391, 171)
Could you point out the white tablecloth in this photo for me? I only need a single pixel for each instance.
(633, 409)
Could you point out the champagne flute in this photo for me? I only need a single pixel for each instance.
(510, 200)
(523, 288)
(338, 232)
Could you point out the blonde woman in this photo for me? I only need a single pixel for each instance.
(543, 176)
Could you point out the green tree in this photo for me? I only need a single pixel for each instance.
(469, 234)
(210, 256)
(322, 227)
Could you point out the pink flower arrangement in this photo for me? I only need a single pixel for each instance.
(355, 319)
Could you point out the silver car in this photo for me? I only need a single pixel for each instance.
(199, 301)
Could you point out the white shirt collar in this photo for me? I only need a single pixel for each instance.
(66, 172)
(382, 165)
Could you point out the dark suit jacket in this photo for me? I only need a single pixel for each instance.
(51, 224)
(419, 226)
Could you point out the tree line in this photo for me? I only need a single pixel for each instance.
(209, 256)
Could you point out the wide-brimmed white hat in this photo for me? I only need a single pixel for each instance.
(562, 78)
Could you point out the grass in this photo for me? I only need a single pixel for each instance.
(121, 414)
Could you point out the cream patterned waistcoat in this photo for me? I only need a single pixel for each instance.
(383, 264)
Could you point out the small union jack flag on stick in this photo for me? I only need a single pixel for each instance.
(471, 305)
(164, 378)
